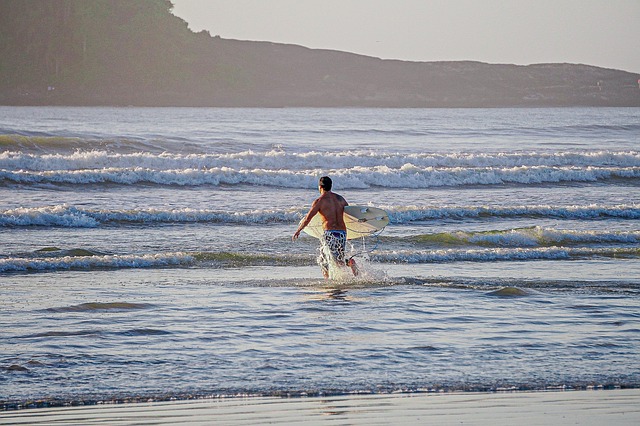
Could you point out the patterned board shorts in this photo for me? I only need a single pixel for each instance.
(335, 242)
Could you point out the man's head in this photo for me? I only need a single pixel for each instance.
(325, 183)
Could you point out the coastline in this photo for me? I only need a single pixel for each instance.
(584, 407)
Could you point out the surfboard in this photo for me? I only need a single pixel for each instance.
(361, 221)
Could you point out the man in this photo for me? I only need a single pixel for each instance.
(330, 206)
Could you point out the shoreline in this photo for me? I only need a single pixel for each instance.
(168, 397)
(617, 406)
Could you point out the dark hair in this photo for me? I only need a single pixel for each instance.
(325, 183)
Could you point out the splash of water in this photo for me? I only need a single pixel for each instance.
(361, 271)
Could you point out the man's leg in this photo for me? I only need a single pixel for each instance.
(352, 264)
(323, 259)
(339, 251)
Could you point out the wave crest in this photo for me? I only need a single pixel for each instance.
(76, 217)
(407, 176)
(235, 260)
(279, 159)
(527, 237)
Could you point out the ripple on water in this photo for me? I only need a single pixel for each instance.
(98, 306)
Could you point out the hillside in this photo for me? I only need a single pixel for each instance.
(121, 52)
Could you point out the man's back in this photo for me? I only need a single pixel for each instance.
(331, 209)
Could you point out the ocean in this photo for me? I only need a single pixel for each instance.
(146, 253)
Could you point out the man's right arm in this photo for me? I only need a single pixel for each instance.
(315, 208)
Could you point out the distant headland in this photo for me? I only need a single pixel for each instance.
(122, 52)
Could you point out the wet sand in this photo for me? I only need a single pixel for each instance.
(590, 407)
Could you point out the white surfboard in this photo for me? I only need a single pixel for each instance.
(360, 221)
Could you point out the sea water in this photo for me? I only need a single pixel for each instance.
(147, 253)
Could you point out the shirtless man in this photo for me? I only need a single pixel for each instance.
(331, 207)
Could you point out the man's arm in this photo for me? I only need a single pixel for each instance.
(315, 208)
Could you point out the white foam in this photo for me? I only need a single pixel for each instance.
(61, 215)
(369, 271)
(95, 262)
(405, 214)
(355, 169)
(535, 236)
(407, 176)
(279, 159)
(70, 216)
(499, 254)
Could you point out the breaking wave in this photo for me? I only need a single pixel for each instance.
(46, 145)
(77, 217)
(504, 254)
(355, 169)
(237, 260)
(32, 264)
(526, 237)
(279, 159)
(55, 259)
(594, 211)
(407, 176)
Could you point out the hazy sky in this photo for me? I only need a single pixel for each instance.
(604, 33)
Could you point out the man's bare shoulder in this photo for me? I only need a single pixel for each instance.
(341, 199)
(330, 200)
